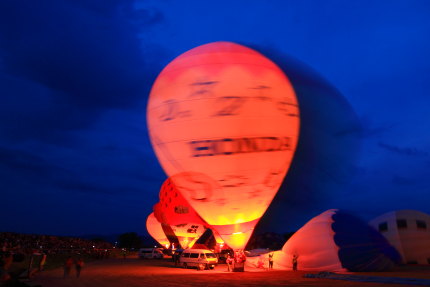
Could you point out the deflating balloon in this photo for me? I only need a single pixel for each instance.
(227, 119)
(338, 241)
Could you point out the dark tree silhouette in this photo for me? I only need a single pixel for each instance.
(129, 240)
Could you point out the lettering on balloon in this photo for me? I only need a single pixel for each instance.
(223, 106)
(284, 106)
(261, 93)
(200, 88)
(192, 229)
(199, 190)
(229, 105)
(172, 110)
(233, 181)
(180, 209)
(230, 146)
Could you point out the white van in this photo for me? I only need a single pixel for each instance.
(200, 258)
(153, 253)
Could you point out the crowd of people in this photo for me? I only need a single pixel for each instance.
(31, 243)
(16, 247)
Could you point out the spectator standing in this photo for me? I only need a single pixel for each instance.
(68, 266)
(295, 259)
(42, 262)
(229, 262)
(79, 265)
(271, 260)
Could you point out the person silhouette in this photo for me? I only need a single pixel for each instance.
(229, 262)
(271, 260)
(295, 262)
(78, 265)
(68, 266)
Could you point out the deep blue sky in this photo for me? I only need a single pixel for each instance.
(75, 156)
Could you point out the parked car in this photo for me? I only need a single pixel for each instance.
(200, 258)
(167, 252)
(152, 253)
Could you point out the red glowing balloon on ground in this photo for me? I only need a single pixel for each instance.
(227, 118)
(187, 234)
(173, 208)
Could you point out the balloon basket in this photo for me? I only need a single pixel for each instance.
(239, 267)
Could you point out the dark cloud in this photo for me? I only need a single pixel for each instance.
(403, 150)
(65, 65)
(24, 162)
(92, 55)
(66, 176)
(65, 62)
(31, 110)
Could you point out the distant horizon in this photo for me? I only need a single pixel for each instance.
(145, 233)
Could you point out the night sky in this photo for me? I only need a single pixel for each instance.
(75, 156)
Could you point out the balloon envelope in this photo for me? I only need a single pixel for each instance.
(173, 208)
(188, 234)
(156, 231)
(335, 241)
(227, 119)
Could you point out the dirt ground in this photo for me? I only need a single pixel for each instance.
(133, 272)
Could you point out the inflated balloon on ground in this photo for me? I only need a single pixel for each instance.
(156, 231)
(173, 208)
(337, 241)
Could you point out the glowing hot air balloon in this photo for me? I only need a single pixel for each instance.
(156, 231)
(184, 233)
(224, 120)
(188, 234)
(173, 208)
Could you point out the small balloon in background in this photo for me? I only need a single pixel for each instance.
(156, 231)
